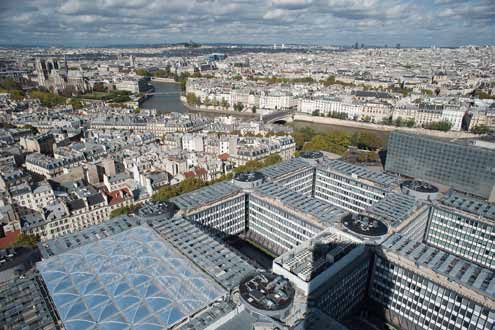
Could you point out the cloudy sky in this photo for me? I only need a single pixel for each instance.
(337, 22)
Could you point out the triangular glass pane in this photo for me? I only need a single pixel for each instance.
(82, 277)
(77, 308)
(141, 313)
(175, 315)
(108, 313)
(112, 326)
(147, 326)
(90, 287)
(152, 291)
(121, 289)
(130, 312)
(96, 311)
(95, 299)
(79, 325)
(63, 285)
(158, 303)
(64, 298)
(125, 301)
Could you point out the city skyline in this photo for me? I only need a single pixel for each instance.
(74, 23)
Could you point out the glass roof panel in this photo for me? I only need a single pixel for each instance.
(131, 280)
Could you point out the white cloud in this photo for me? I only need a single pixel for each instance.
(326, 21)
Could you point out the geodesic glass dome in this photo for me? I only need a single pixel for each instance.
(132, 280)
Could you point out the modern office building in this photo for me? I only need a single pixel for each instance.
(221, 207)
(331, 270)
(280, 218)
(295, 174)
(464, 226)
(416, 286)
(351, 187)
(465, 165)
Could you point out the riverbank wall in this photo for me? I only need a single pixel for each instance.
(378, 127)
(165, 80)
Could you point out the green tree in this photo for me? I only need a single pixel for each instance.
(272, 160)
(238, 106)
(303, 135)
(427, 92)
(142, 72)
(224, 104)
(443, 126)
(388, 121)
(125, 210)
(26, 240)
(410, 122)
(481, 129)
(366, 119)
(367, 141)
(191, 99)
(33, 129)
(398, 122)
(47, 99)
(253, 109)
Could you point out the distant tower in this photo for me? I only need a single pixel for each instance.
(398, 46)
(131, 60)
(66, 65)
(42, 71)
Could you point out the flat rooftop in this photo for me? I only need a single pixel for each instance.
(469, 204)
(291, 166)
(467, 274)
(25, 306)
(210, 254)
(394, 208)
(133, 279)
(380, 178)
(324, 213)
(96, 232)
(315, 256)
(205, 196)
(208, 316)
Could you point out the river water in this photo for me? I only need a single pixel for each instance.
(167, 99)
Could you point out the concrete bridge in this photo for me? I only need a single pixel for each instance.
(279, 117)
(162, 93)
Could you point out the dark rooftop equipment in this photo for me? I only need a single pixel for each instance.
(420, 186)
(248, 176)
(364, 225)
(267, 293)
(420, 189)
(248, 180)
(152, 209)
(311, 154)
